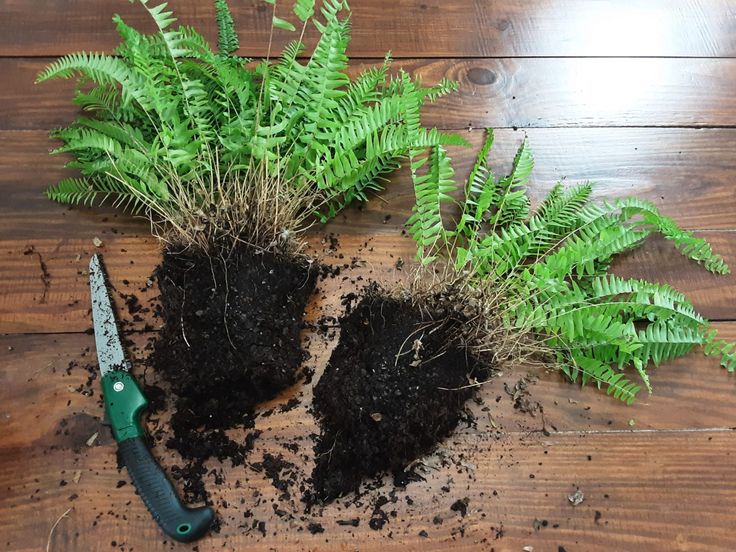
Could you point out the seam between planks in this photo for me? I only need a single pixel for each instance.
(437, 57)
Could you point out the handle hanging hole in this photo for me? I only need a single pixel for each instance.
(183, 529)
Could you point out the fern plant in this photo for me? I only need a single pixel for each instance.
(552, 269)
(173, 127)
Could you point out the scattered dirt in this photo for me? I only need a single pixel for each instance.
(521, 397)
(282, 473)
(389, 394)
(460, 506)
(45, 276)
(372, 329)
(230, 340)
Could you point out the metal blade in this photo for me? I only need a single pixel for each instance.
(110, 355)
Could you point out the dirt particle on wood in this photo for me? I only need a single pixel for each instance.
(282, 473)
(576, 498)
(461, 506)
(45, 275)
(315, 528)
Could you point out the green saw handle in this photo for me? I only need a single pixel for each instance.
(179, 522)
(124, 403)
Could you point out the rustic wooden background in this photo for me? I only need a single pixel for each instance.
(637, 96)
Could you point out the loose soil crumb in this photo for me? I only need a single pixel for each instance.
(461, 506)
(230, 340)
(282, 473)
(315, 528)
(389, 393)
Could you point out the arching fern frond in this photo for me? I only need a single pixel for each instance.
(720, 348)
(583, 369)
(692, 247)
(434, 183)
(227, 36)
(511, 201)
(304, 9)
(553, 269)
(94, 191)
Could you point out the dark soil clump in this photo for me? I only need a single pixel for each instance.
(282, 473)
(230, 340)
(388, 395)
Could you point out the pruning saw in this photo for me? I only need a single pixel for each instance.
(124, 403)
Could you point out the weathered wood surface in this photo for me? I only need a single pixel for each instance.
(656, 476)
(28, 305)
(644, 491)
(667, 479)
(687, 173)
(534, 92)
(410, 28)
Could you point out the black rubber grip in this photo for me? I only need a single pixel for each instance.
(179, 522)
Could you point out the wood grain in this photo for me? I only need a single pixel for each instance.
(410, 28)
(514, 473)
(644, 491)
(517, 92)
(687, 173)
(637, 96)
(28, 305)
(50, 372)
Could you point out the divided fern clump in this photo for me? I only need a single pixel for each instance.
(187, 134)
(498, 284)
(231, 159)
(549, 273)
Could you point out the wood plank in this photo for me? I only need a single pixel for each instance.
(32, 300)
(48, 372)
(411, 28)
(664, 481)
(643, 491)
(687, 173)
(514, 473)
(524, 93)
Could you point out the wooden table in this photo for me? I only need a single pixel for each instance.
(637, 96)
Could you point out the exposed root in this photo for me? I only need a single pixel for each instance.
(227, 296)
(53, 528)
(472, 314)
(181, 318)
(255, 206)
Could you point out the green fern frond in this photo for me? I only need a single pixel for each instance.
(98, 67)
(693, 248)
(584, 369)
(479, 191)
(79, 191)
(433, 178)
(720, 348)
(442, 88)
(304, 9)
(227, 36)
(162, 18)
(511, 201)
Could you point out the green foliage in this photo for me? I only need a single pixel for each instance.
(227, 36)
(553, 266)
(166, 111)
(304, 9)
(431, 189)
